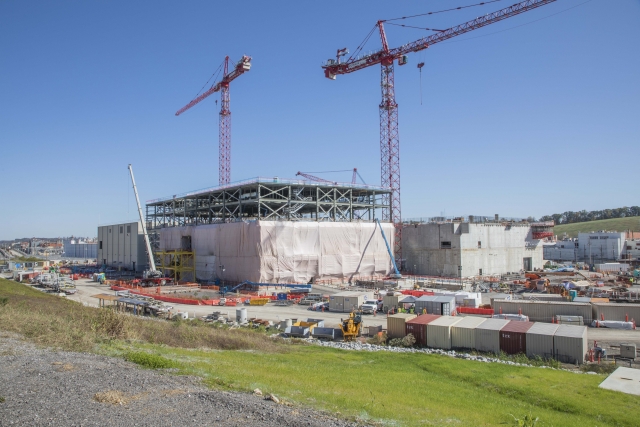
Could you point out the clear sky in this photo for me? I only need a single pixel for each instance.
(516, 119)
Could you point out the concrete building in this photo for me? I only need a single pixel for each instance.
(562, 250)
(74, 248)
(600, 246)
(463, 248)
(275, 230)
(593, 248)
(121, 246)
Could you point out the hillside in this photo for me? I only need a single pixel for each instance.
(616, 224)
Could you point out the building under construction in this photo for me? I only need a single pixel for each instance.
(276, 230)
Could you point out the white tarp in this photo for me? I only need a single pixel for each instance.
(283, 251)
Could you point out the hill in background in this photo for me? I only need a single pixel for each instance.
(615, 224)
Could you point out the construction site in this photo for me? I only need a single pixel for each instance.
(344, 247)
(336, 264)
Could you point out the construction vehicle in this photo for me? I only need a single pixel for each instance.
(351, 327)
(151, 275)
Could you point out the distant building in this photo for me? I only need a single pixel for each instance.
(593, 248)
(467, 249)
(75, 248)
(121, 246)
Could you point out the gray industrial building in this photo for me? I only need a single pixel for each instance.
(594, 247)
(121, 246)
(74, 248)
(468, 248)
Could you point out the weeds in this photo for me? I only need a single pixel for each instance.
(148, 360)
(527, 421)
(61, 323)
(604, 368)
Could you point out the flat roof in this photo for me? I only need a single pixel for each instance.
(107, 297)
(624, 380)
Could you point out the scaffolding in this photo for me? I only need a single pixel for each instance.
(180, 265)
(268, 199)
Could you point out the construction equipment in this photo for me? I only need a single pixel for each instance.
(389, 139)
(151, 273)
(310, 177)
(396, 274)
(224, 160)
(351, 327)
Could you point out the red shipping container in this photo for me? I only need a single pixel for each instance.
(418, 328)
(513, 337)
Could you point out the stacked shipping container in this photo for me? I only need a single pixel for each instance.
(513, 337)
(439, 332)
(488, 335)
(418, 328)
(463, 333)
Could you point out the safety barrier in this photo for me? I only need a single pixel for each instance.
(471, 310)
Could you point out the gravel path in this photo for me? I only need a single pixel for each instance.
(42, 387)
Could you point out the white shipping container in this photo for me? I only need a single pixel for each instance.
(570, 343)
(439, 332)
(463, 333)
(488, 335)
(540, 340)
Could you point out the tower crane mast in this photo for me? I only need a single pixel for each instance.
(224, 156)
(389, 138)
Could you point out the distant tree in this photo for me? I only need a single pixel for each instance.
(571, 217)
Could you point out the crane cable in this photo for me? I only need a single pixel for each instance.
(442, 11)
(212, 76)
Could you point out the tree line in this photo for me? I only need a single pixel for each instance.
(584, 216)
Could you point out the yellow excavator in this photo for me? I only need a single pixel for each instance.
(351, 326)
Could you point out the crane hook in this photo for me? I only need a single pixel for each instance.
(420, 65)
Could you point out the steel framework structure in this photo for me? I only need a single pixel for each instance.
(389, 138)
(268, 199)
(224, 132)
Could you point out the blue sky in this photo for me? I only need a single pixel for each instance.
(532, 120)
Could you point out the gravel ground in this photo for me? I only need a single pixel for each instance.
(42, 387)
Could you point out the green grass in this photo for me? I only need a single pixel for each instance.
(408, 389)
(616, 224)
(382, 387)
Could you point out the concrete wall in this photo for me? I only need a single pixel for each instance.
(122, 246)
(600, 246)
(438, 249)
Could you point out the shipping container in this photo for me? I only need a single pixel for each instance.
(390, 302)
(463, 333)
(396, 324)
(442, 305)
(439, 332)
(540, 311)
(488, 335)
(570, 343)
(616, 311)
(540, 340)
(418, 328)
(344, 302)
(513, 337)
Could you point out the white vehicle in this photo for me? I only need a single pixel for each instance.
(370, 307)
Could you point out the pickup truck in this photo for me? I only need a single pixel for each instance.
(370, 307)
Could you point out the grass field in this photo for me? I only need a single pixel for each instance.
(381, 387)
(616, 224)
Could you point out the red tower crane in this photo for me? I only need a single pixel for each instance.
(389, 139)
(312, 177)
(224, 156)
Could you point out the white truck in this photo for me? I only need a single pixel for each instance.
(371, 306)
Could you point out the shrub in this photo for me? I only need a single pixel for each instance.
(148, 360)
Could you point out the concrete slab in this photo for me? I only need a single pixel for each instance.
(625, 380)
